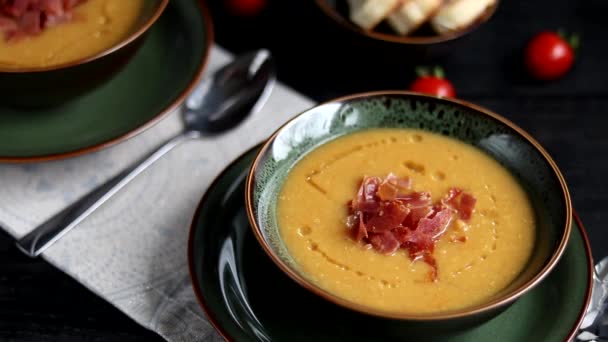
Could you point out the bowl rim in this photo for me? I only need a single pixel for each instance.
(87, 59)
(478, 309)
(411, 40)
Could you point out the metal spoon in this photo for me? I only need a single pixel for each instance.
(218, 103)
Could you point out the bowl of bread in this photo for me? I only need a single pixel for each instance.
(416, 22)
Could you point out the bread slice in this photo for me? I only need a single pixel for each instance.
(413, 13)
(457, 15)
(367, 14)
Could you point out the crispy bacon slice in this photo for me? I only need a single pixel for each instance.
(467, 205)
(393, 187)
(387, 215)
(416, 214)
(52, 7)
(20, 18)
(7, 24)
(366, 200)
(391, 215)
(437, 225)
(402, 234)
(29, 23)
(460, 201)
(385, 242)
(416, 199)
(15, 8)
(421, 240)
(361, 230)
(430, 260)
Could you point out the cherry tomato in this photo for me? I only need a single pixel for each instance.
(246, 8)
(548, 56)
(433, 85)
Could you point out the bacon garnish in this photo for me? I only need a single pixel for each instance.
(385, 242)
(393, 187)
(460, 201)
(388, 215)
(19, 18)
(7, 24)
(416, 199)
(361, 230)
(416, 214)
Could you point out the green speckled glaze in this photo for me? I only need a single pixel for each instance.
(488, 132)
(248, 298)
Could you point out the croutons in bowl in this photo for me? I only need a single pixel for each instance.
(416, 22)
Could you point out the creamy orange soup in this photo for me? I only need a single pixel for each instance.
(312, 212)
(96, 26)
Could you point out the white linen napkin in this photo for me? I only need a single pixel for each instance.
(132, 250)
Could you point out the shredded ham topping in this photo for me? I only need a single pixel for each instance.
(388, 215)
(20, 18)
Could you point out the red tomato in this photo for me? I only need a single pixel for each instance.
(433, 85)
(246, 7)
(548, 56)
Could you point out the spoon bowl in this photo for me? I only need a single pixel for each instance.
(224, 101)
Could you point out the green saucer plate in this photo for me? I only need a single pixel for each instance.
(164, 70)
(247, 298)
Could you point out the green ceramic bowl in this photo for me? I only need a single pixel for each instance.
(337, 11)
(499, 138)
(43, 86)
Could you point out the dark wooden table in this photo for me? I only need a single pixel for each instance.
(569, 117)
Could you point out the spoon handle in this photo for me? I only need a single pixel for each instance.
(50, 231)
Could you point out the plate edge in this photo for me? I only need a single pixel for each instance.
(148, 124)
(591, 265)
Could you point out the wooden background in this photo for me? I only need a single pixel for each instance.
(569, 117)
